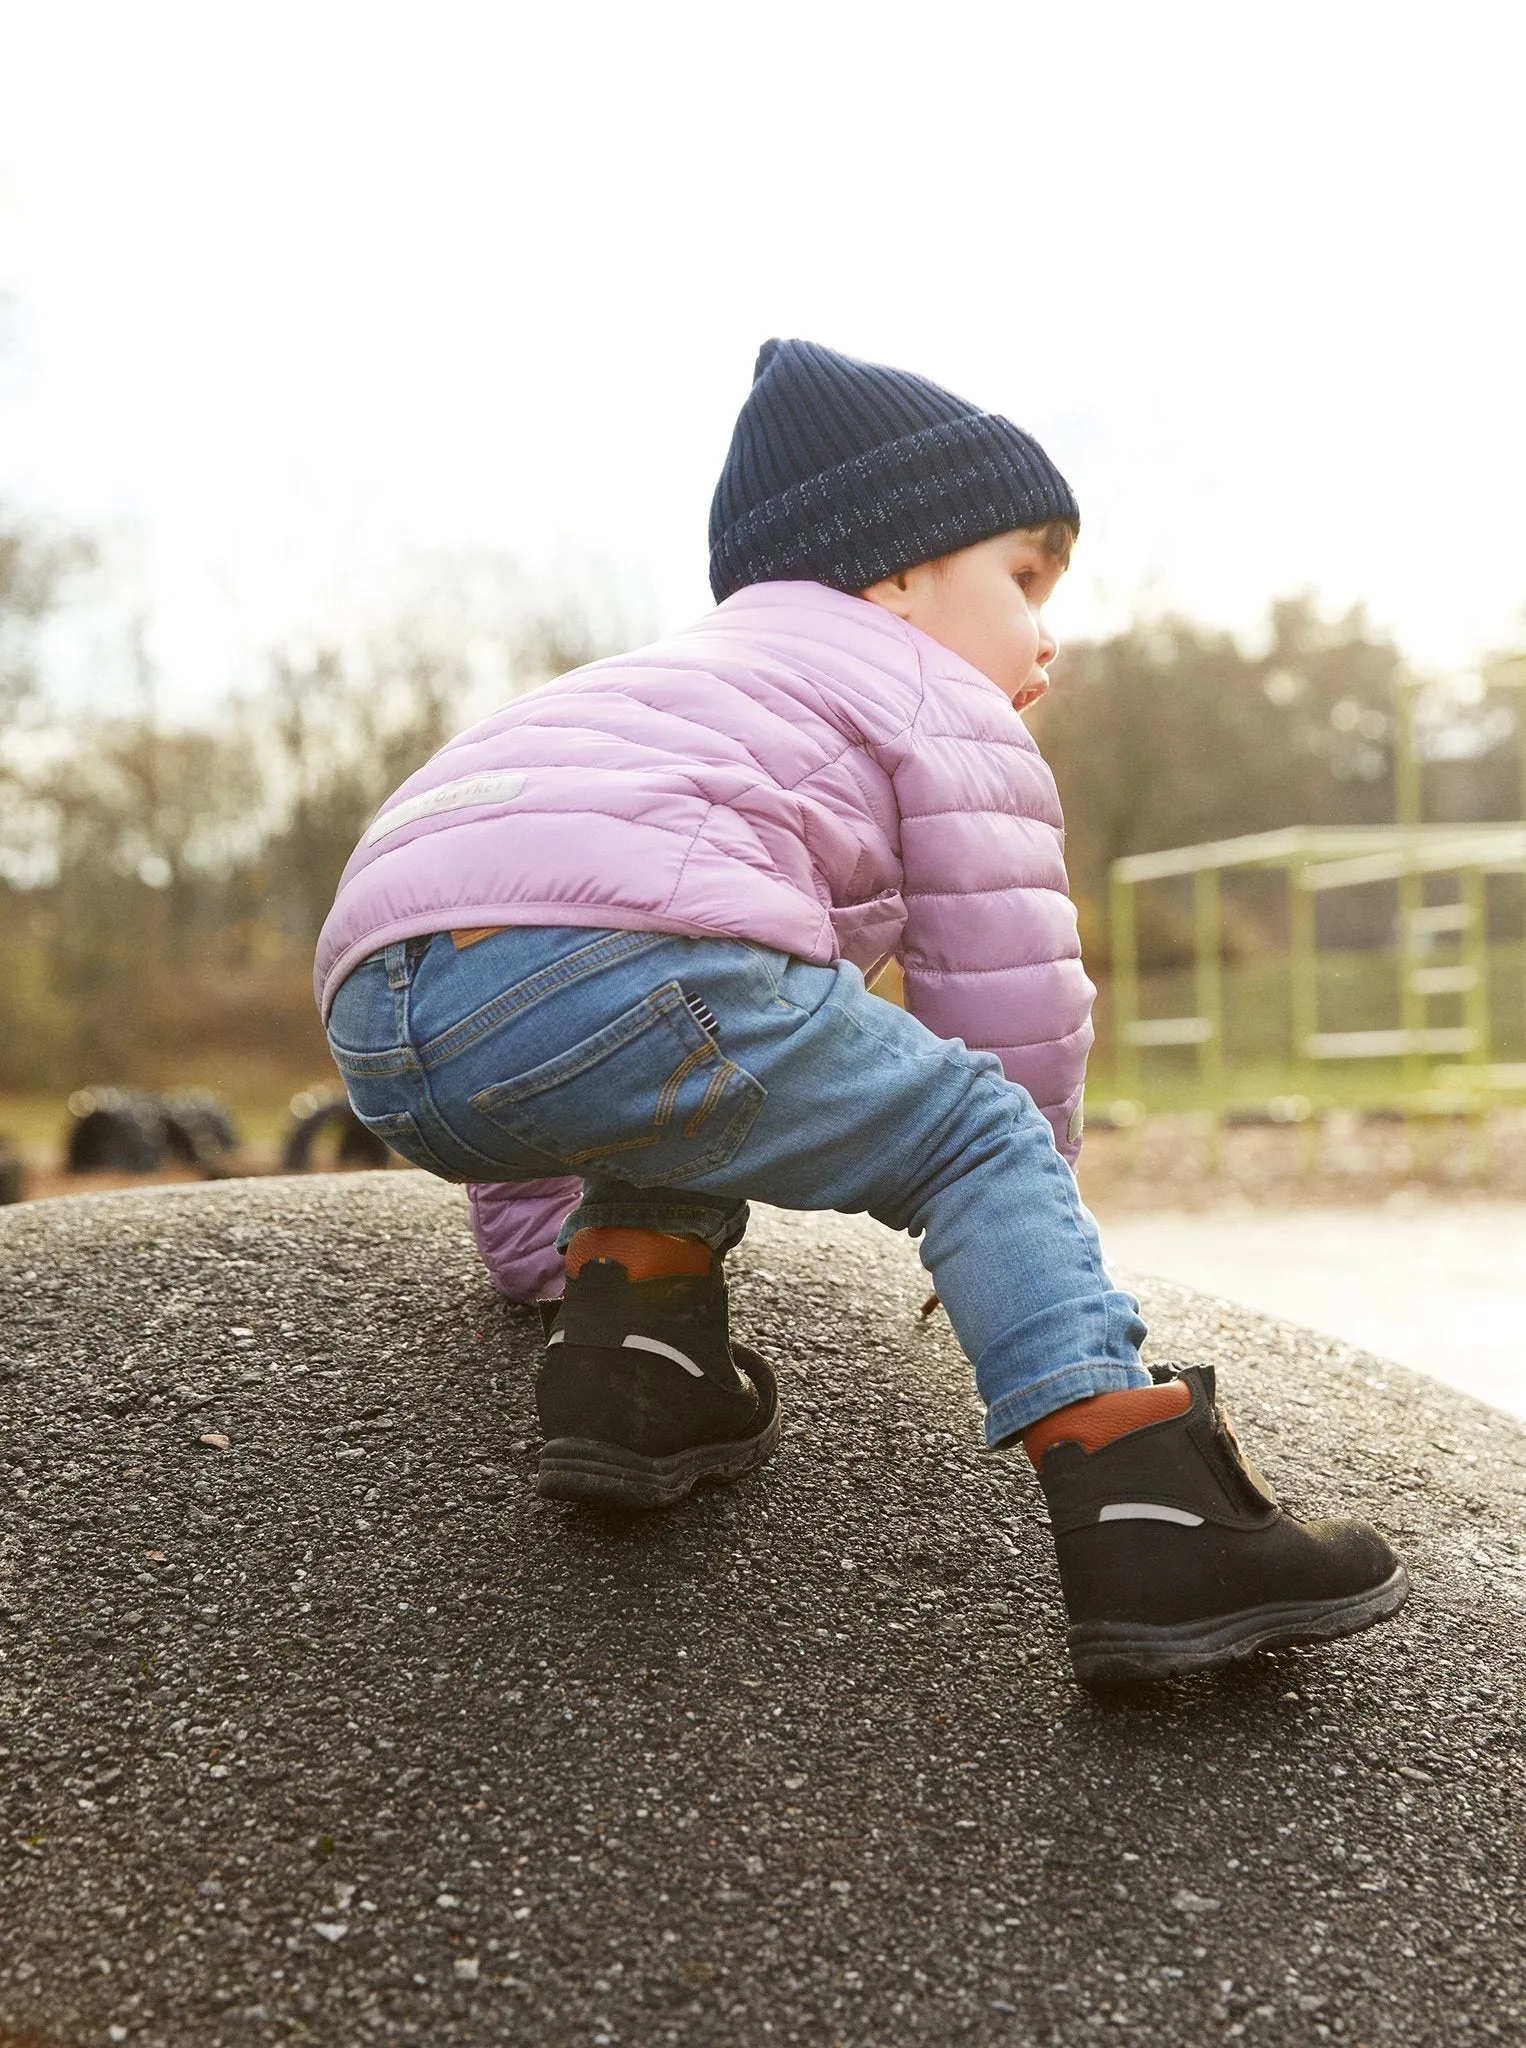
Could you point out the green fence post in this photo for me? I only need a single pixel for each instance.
(1303, 994)
(1303, 969)
(1475, 955)
(1208, 985)
(1412, 1012)
(1475, 1011)
(1408, 810)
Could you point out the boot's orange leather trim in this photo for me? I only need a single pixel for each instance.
(645, 1254)
(1099, 1419)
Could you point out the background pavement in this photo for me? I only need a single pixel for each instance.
(337, 1735)
(1438, 1285)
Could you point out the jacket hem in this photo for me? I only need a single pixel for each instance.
(587, 916)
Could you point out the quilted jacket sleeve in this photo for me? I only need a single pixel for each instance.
(515, 1224)
(990, 950)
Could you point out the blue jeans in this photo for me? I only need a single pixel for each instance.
(680, 1077)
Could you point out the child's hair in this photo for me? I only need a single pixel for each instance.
(1056, 537)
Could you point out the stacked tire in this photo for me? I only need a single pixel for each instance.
(128, 1130)
(325, 1132)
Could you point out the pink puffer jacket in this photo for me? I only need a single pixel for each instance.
(799, 768)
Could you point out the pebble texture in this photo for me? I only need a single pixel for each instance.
(316, 1726)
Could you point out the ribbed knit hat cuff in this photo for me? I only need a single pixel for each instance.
(904, 502)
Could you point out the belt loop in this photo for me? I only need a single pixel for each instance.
(399, 964)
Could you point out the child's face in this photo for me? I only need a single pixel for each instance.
(985, 603)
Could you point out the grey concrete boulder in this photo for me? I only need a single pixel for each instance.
(317, 1726)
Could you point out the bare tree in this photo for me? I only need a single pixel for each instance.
(39, 572)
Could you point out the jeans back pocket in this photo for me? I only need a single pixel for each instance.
(651, 1098)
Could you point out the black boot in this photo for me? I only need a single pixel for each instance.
(641, 1393)
(1175, 1557)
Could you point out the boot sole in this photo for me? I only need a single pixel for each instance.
(609, 1475)
(1115, 1653)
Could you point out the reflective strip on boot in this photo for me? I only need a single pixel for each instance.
(644, 1344)
(1147, 1511)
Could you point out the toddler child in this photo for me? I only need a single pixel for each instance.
(603, 959)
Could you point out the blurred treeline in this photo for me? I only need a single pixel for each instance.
(161, 886)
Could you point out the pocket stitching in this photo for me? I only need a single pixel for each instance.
(500, 1102)
(464, 1034)
(576, 1159)
(713, 1094)
(741, 1122)
(667, 1095)
(395, 1060)
(688, 1170)
(664, 1004)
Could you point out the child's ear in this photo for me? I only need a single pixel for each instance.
(893, 592)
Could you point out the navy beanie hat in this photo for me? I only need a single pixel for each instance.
(843, 472)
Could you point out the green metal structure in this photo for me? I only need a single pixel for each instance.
(1441, 1064)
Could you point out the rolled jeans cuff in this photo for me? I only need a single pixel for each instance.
(718, 1224)
(1018, 1411)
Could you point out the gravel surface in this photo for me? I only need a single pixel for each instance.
(316, 1726)
(1184, 1162)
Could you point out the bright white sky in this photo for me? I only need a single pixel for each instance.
(297, 287)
